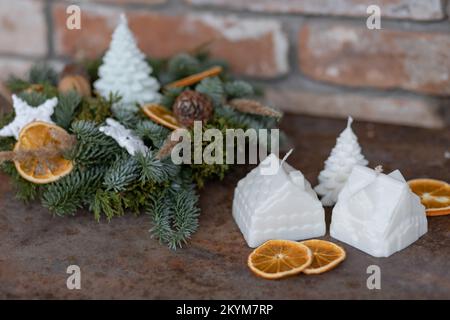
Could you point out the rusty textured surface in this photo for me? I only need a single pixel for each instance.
(120, 260)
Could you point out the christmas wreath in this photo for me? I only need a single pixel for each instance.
(109, 151)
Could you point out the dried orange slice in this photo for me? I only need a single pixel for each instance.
(161, 115)
(434, 195)
(326, 256)
(190, 80)
(38, 136)
(277, 259)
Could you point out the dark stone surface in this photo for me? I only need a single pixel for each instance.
(120, 260)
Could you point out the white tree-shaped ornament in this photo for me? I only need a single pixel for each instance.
(125, 70)
(344, 156)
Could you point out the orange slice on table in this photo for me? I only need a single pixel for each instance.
(326, 256)
(161, 115)
(277, 259)
(197, 77)
(434, 195)
(39, 135)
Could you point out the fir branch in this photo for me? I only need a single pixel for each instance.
(185, 219)
(174, 214)
(65, 110)
(213, 88)
(93, 147)
(155, 170)
(183, 65)
(107, 202)
(238, 89)
(67, 195)
(161, 213)
(121, 174)
(43, 73)
(6, 143)
(33, 98)
(148, 130)
(238, 119)
(129, 118)
(15, 84)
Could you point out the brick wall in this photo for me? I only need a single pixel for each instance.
(314, 57)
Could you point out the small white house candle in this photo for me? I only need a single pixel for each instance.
(378, 213)
(277, 206)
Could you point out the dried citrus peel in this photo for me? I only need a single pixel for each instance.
(192, 79)
(161, 115)
(434, 195)
(326, 256)
(276, 259)
(38, 153)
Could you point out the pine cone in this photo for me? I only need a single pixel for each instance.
(192, 105)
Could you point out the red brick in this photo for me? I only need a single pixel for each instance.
(23, 29)
(355, 56)
(399, 9)
(420, 112)
(253, 47)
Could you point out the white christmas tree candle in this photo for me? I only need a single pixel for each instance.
(344, 156)
(125, 70)
(378, 213)
(277, 206)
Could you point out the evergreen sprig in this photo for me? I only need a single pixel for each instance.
(174, 214)
(33, 98)
(149, 130)
(93, 147)
(121, 174)
(183, 65)
(212, 87)
(65, 110)
(43, 73)
(155, 170)
(238, 89)
(70, 193)
(106, 202)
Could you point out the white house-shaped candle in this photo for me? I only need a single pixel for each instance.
(278, 205)
(378, 213)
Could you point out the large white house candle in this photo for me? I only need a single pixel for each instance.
(378, 213)
(277, 205)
